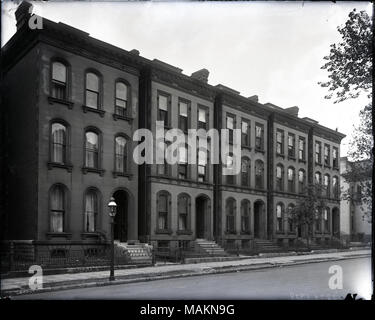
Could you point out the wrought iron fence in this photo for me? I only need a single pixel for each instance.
(18, 256)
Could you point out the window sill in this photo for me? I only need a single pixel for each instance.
(280, 155)
(230, 232)
(246, 147)
(245, 233)
(335, 168)
(90, 235)
(122, 174)
(184, 232)
(51, 165)
(301, 161)
(51, 235)
(89, 109)
(328, 167)
(85, 170)
(125, 118)
(163, 231)
(67, 103)
(318, 164)
(292, 158)
(260, 150)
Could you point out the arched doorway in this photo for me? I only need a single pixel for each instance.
(121, 219)
(336, 222)
(259, 230)
(202, 209)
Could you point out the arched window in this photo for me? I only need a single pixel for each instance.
(335, 187)
(231, 215)
(318, 220)
(121, 99)
(183, 203)
(121, 154)
(326, 219)
(259, 174)
(318, 178)
(59, 80)
(301, 180)
(57, 208)
(92, 148)
(279, 217)
(245, 216)
(92, 90)
(91, 210)
(291, 227)
(58, 143)
(327, 185)
(245, 172)
(291, 179)
(280, 177)
(163, 205)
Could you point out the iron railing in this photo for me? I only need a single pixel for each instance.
(19, 256)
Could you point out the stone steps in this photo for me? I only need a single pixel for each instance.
(266, 246)
(138, 253)
(209, 247)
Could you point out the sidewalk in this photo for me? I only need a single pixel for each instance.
(16, 286)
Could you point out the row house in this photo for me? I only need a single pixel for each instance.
(82, 102)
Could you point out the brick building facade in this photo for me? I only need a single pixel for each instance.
(72, 105)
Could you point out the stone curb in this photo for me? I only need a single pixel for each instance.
(171, 275)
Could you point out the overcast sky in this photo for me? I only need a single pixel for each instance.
(274, 50)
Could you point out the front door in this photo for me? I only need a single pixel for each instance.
(120, 227)
(200, 217)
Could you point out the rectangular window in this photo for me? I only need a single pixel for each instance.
(202, 119)
(92, 90)
(302, 149)
(335, 161)
(202, 162)
(326, 155)
(245, 133)
(182, 163)
(291, 145)
(230, 178)
(259, 136)
(183, 118)
(318, 152)
(163, 109)
(279, 142)
(230, 127)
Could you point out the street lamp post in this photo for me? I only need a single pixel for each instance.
(112, 213)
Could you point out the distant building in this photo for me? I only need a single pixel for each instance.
(355, 216)
(72, 104)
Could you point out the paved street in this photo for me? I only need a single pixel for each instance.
(308, 281)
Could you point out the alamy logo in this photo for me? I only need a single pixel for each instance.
(200, 146)
(36, 280)
(335, 281)
(35, 22)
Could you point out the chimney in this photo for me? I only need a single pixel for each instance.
(23, 13)
(134, 51)
(292, 111)
(201, 75)
(254, 98)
